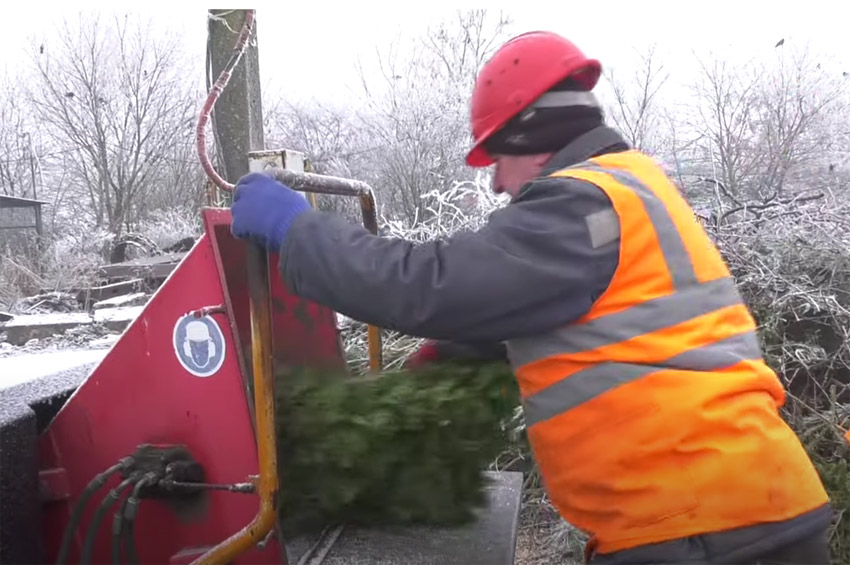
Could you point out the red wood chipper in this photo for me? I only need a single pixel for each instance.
(164, 452)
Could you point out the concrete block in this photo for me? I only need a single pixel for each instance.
(117, 319)
(25, 410)
(21, 329)
(490, 538)
(157, 267)
(135, 299)
(20, 532)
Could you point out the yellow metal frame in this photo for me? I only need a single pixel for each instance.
(263, 378)
(267, 481)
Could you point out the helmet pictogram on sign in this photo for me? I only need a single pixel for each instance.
(199, 345)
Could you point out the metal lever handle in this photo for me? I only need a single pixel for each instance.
(325, 184)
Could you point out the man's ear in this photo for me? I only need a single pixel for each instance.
(541, 159)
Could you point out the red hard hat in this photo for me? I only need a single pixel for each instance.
(518, 73)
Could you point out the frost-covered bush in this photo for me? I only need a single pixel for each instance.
(165, 227)
(67, 262)
(792, 263)
(464, 207)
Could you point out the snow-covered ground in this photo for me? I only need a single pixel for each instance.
(84, 340)
(17, 369)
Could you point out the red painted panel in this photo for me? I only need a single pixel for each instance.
(141, 393)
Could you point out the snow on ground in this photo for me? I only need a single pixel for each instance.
(50, 319)
(82, 345)
(87, 336)
(67, 338)
(17, 369)
(121, 314)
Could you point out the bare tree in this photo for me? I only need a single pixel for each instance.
(330, 137)
(114, 98)
(463, 43)
(725, 105)
(797, 104)
(20, 166)
(178, 181)
(763, 124)
(409, 131)
(327, 134)
(416, 118)
(635, 111)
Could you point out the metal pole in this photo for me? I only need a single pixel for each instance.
(239, 124)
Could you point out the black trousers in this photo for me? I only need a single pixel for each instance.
(810, 550)
(813, 550)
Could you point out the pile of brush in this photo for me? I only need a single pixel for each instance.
(402, 447)
(792, 264)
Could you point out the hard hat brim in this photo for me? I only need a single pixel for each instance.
(479, 157)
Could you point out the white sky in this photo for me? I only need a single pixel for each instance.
(310, 49)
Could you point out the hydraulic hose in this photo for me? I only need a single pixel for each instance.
(118, 532)
(212, 97)
(109, 500)
(93, 486)
(132, 508)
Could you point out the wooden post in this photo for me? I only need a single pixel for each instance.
(238, 114)
(39, 224)
(238, 123)
(40, 243)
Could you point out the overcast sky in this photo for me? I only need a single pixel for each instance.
(310, 49)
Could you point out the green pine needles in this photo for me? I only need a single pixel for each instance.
(402, 447)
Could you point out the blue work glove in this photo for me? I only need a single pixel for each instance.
(263, 210)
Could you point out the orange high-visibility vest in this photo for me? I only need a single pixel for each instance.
(654, 416)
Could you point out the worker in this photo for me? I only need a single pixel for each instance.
(653, 418)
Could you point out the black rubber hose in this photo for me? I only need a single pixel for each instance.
(77, 513)
(108, 500)
(117, 532)
(130, 512)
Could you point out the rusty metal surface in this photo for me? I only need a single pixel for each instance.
(304, 333)
(325, 184)
(267, 482)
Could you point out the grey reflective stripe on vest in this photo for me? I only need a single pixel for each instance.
(690, 299)
(593, 381)
(672, 247)
(603, 227)
(646, 317)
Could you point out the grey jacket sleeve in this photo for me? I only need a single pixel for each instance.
(539, 262)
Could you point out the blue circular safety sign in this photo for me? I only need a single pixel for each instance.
(199, 345)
